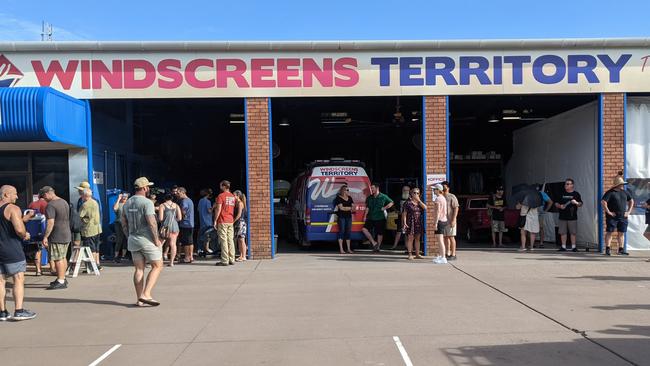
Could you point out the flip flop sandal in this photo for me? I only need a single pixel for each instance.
(151, 302)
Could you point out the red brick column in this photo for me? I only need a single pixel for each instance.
(613, 109)
(259, 177)
(435, 134)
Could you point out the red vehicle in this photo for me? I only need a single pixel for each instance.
(475, 222)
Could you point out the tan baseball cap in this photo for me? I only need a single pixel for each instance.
(83, 185)
(142, 182)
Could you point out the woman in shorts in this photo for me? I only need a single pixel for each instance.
(241, 229)
(169, 214)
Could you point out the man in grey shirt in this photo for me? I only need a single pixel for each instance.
(140, 226)
(57, 236)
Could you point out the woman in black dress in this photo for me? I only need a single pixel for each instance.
(412, 222)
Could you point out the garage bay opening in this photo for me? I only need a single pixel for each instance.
(321, 144)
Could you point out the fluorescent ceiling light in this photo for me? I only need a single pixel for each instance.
(336, 121)
(511, 118)
(284, 122)
(237, 118)
(493, 120)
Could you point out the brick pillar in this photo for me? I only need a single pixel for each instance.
(259, 177)
(435, 134)
(613, 115)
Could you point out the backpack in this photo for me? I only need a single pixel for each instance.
(75, 220)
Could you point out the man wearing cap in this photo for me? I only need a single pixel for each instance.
(139, 224)
(617, 204)
(91, 228)
(57, 235)
(452, 215)
(76, 236)
(440, 217)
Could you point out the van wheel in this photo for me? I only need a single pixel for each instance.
(302, 242)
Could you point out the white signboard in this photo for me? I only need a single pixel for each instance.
(435, 179)
(338, 171)
(343, 73)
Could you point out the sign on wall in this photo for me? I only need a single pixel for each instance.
(363, 73)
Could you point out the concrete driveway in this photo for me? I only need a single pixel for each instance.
(488, 308)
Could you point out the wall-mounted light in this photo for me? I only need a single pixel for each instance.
(493, 119)
(284, 122)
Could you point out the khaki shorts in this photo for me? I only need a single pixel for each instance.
(450, 231)
(149, 253)
(565, 226)
(499, 226)
(57, 251)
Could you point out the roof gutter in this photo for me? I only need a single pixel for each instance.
(315, 46)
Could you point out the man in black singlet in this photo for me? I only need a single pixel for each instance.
(12, 258)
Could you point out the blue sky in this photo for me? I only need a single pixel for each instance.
(322, 20)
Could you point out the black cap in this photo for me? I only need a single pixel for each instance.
(500, 188)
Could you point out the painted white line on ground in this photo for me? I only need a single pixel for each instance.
(106, 354)
(402, 351)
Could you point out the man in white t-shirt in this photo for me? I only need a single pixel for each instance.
(440, 216)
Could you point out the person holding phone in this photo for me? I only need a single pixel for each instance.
(412, 222)
(343, 207)
(120, 239)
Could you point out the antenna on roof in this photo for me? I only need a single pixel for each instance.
(46, 31)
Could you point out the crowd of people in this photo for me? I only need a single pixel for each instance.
(148, 229)
(154, 231)
(411, 209)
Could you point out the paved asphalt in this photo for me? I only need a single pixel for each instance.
(488, 308)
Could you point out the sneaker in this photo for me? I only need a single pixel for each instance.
(57, 286)
(231, 263)
(23, 314)
(608, 251)
(451, 258)
(4, 315)
(222, 264)
(118, 259)
(440, 260)
(562, 249)
(210, 251)
(622, 251)
(56, 281)
(575, 250)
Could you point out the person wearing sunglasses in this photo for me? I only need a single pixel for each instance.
(343, 207)
(412, 222)
(568, 206)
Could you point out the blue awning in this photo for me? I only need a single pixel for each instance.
(42, 115)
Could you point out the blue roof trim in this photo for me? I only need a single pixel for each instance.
(42, 115)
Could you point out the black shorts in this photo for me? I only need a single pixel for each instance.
(616, 224)
(440, 229)
(186, 236)
(92, 242)
(378, 226)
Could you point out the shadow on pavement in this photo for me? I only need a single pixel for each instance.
(608, 278)
(623, 307)
(53, 300)
(357, 257)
